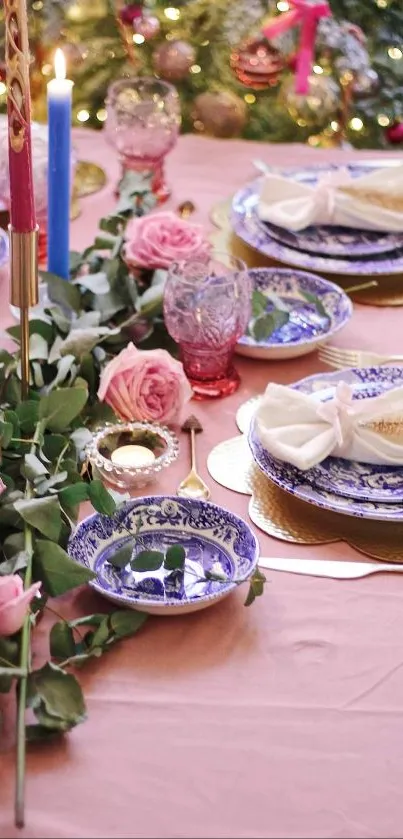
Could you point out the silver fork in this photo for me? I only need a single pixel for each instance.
(340, 358)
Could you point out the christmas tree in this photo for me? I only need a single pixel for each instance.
(233, 81)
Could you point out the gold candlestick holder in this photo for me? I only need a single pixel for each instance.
(24, 289)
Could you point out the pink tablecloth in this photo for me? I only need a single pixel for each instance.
(283, 720)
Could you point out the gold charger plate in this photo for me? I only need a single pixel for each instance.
(388, 290)
(284, 517)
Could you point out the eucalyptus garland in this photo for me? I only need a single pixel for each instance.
(43, 468)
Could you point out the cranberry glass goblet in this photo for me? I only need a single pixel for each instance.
(207, 306)
(143, 121)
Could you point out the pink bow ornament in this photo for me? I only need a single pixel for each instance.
(307, 14)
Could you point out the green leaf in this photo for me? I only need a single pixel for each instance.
(265, 325)
(256, 586)
(101, 634)
(62, 644)
(12, 418)
(175, 558)
(127, 622)
(38, 348)
(13, 544)
(58, 572)
(259, 303)
(101, 499)
(312, 298)
(74, 494)
(61, 406)
(40, 733)
(28, 414)
(147, 561)
(6, 679)
(96, 283)
(62, 292)
(56, 697)
(33, 467)
(53, 446)
(43, 514)
(6, 433)
(123, 555)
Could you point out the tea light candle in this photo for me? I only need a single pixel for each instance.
(132, 457)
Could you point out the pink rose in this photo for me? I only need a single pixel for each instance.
(14, 603)
(144, 385)
(158, 240)
(2, 486)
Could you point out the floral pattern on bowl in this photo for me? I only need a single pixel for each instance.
(214, 539)
(307, 328)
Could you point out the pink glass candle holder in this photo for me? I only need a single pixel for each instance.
(207, 307)
(143, 121)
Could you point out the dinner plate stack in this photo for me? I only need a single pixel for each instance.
(342, 486)
(321, 249)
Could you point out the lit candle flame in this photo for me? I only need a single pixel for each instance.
(60, 65)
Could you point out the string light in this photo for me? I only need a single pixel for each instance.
(283, 6)
(356, 124)
(250, 98)
(383, 120)
(138, 39)
(395, 52)
(382, 4)
(101, 115)
(46, 69)
(83, 115)
(334, 125)
(171, 13)
(317, 69)
(3, 88)
(195, 68)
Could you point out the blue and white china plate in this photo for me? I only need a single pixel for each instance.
(248, 227)
(214, 540)
(307, 328)
(341, 486)
(328, 240)
(325, 240)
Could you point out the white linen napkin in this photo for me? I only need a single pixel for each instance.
(370, 202)
(298, 429)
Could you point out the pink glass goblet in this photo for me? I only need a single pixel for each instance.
(143, 121)
(207, 307)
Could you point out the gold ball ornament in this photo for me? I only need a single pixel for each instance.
(82, 10)
(256, 63)
(221, 113)
(316, 107)
(173, 60)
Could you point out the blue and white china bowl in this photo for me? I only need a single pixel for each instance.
(342, 486)
(214, 540)
(255, 233)
(306, 329)
(124, 478)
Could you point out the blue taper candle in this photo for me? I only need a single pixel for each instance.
(59, 169)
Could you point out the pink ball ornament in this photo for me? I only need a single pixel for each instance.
(394, 133)
(130, 13)
(173, 60)
(148, 26)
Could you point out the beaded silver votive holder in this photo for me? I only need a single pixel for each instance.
(131, 455)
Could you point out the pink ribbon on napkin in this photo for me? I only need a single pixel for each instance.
(307, 13)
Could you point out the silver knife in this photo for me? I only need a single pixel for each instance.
(324, 568)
